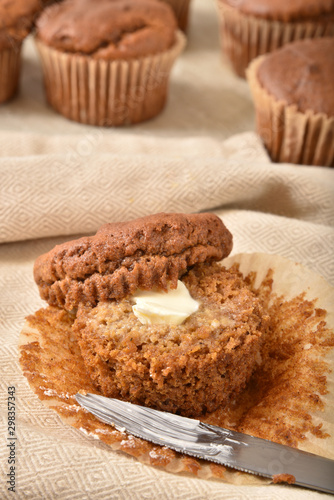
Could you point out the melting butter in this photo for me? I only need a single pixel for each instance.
(172, 307)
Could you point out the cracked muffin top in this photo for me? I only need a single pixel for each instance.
(16, 20)
(152, 251)
(108, 29)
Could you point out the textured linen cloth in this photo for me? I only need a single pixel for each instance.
(59, 179)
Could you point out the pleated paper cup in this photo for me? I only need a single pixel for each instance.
(107, 93)
(10, 62)
(181, 9)
(245, 37)
(289, 135)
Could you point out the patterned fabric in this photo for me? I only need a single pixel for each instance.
(49, 193)
(59, 179)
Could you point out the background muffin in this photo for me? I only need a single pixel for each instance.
(108, 63)
(16, 21)
(293, 94)
(250, 28)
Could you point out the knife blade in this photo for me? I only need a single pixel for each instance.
(223, 446)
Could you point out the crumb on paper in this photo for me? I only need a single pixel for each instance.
(54, 393)
(284, 478)
(75, 408)
(107, 431)
(130, 441)
(90, 434)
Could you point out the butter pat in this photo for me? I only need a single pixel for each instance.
(172, 307)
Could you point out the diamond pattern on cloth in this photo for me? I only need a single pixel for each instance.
(59, 179)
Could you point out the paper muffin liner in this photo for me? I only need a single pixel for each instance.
(289, 135)
(10, 62)
(244, 37)
(54, 368)
(107, 93)
(181, 10)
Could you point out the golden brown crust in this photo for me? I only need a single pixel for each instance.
(108, 29)
(191, 368)
(144, 253)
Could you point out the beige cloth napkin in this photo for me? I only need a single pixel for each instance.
(45, 192)
(58, 179)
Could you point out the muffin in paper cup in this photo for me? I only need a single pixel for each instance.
(294, 105)
(184, 359)
(249, 29)
(181, 9)
(98, 81)
(16, 22)
(291, 399)
(107, 93)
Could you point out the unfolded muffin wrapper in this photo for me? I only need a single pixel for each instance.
(10, 62)
(41, 353)
(107, 93)
(244, 37)
(181, 10)
(289, 135)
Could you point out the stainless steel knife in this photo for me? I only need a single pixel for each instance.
(209, 442)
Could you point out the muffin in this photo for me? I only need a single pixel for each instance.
(250, 28)
(192, 368)
(108, 64)
(181, 10)
(159, 322)
(292, 89)
(16, 21)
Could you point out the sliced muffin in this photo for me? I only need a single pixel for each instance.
(159, 322)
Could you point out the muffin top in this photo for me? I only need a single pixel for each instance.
(145, 253)
(108, 29)
(284, 10)
(301, 73)
(16, 20)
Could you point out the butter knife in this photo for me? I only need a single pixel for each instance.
(230, 448)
